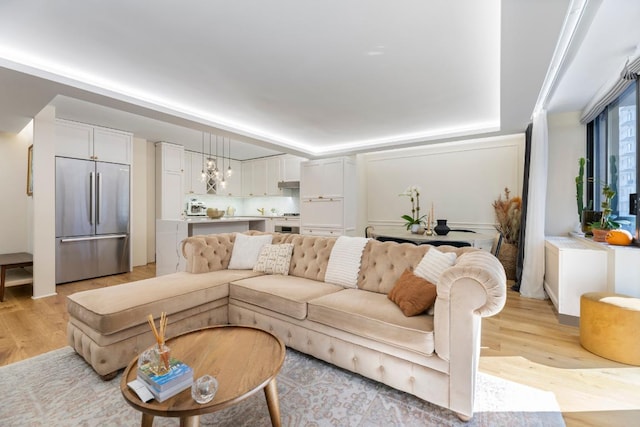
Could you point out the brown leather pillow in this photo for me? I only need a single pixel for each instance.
(412, 294)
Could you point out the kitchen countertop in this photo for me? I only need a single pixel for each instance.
(237, 218)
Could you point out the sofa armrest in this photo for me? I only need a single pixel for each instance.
(487, 270)
(476, 286)
(205, 253)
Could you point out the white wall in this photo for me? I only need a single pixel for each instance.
(567, 143)
(461, 179)
(14, 221)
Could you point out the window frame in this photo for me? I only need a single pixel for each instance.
(598, 129)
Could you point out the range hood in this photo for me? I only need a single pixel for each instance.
(289, 184)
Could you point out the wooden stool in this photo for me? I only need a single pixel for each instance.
(610, 326)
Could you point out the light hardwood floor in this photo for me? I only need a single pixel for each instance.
(524, 343)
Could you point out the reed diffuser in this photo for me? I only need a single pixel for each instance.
(161, 364)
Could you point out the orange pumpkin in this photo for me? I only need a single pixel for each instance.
(619, 237)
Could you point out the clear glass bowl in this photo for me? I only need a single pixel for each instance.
(204, 389)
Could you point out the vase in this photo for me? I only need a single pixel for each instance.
(589, 217)
(161, 357)
(441, 228)
(599, 235)
(415, 228)
(508, 257)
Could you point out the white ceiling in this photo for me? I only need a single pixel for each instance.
(307, 77)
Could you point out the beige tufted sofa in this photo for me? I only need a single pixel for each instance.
(361, 330)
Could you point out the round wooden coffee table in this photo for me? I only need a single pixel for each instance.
(244, 360)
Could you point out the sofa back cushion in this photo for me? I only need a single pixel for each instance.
(205, 253)
(212, 252)
(384, 262)
(310, 256)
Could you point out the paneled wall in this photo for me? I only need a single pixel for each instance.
(461, 179)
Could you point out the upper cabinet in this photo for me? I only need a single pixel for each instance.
(260, 177)
(233, 182)
(81, 141)
(169, 180)
(193, 167)
(325, 178)
(290, 167)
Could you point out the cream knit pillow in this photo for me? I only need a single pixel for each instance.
(433, 263)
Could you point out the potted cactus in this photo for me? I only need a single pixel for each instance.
(585, 213)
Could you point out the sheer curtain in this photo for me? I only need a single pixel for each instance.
(532, 283)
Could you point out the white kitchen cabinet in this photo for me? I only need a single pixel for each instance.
(572, 268)
(260, 177)
(326, 177)
(234, 182)
(169, 181)
(247, 178)
(328, 196)
(269, 225)
(323, 212)
(272, 176)
(290, 167)
(193, 166)
(112, 146)
(323, 231)
(82, 141)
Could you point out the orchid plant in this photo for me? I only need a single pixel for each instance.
(413, 192)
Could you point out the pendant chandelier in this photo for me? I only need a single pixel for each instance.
(229, 171)
(213, 167)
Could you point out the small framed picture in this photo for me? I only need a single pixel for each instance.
(30, 171)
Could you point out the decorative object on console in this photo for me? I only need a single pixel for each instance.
(601, 228)
(583, 210)
(442, 229)
(414, 221)
(412, 294)
(619, 237)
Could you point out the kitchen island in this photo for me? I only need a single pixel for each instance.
(170, 234)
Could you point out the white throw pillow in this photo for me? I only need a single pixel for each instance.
(433, 263)
(246, 250)
(274, 259)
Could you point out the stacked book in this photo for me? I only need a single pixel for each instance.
(178, 378)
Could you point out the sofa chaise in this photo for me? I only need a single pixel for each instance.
(331, 300)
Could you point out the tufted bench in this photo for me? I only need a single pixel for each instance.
(610, 326)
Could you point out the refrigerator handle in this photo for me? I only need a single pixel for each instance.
(99, 177)
(92, 197)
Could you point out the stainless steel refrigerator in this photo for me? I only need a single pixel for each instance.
(92, 219)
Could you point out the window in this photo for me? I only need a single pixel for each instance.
(612, 151)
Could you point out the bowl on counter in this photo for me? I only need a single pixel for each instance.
(214, 213)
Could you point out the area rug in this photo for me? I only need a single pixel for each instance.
(59, 389)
